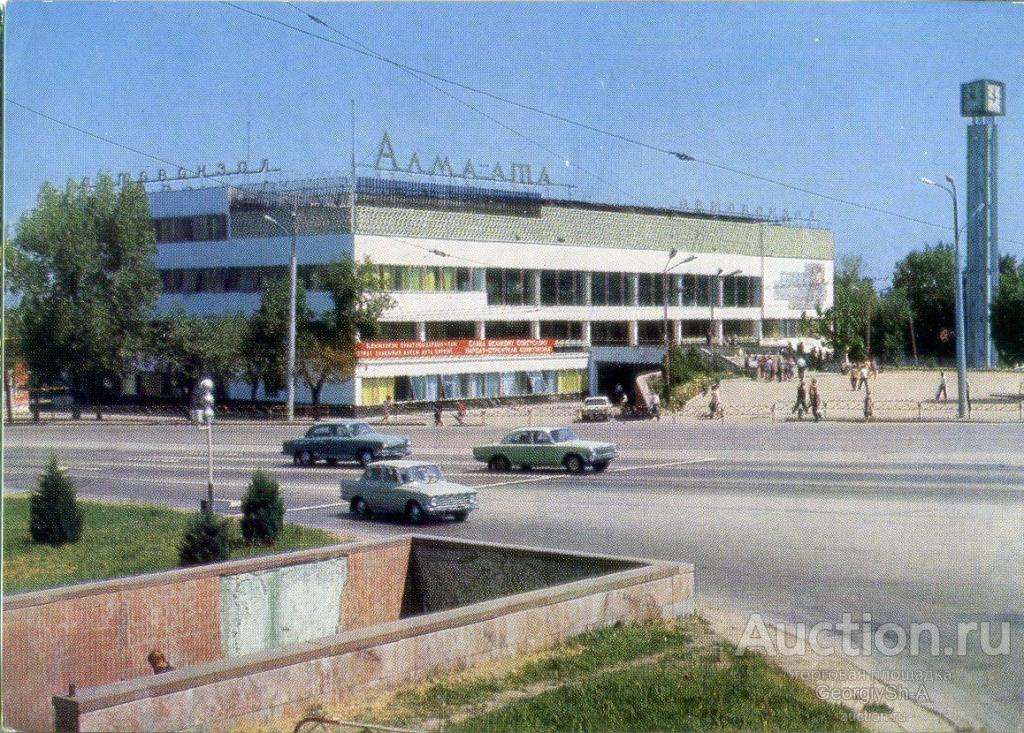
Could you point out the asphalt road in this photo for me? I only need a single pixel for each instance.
(798, 522)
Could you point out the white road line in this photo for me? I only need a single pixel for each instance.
(565, 475)
(315, 506)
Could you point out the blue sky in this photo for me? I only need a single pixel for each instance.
(854, 100)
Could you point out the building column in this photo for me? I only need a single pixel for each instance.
(535, 329)
(633, 289)
(634, 333)
(357, 391)
(758, 330)
(479, 278)
(592, 376)
(719, 331)
(677, 284)
(535, 287)
(421, 331)
(586, 332)
(481, 330)
(588, 288)
(677, 331)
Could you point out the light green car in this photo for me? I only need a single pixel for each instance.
(529, 447)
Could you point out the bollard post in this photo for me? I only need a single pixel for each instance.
(529, 416)
(919, 412)
(1020, 410)
(483, 417)
(773, 412)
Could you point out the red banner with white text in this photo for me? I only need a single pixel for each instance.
(454, 348)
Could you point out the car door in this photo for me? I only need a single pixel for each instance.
(517, 447)
(391, 494)
(343, 443)
(545, 452)
(371, 488)
(317, 442)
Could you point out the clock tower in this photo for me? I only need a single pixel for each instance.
(982, 101)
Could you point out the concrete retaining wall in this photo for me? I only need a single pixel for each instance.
(258, 638)
(97, 633)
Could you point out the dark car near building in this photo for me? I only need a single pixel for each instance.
(345, 440)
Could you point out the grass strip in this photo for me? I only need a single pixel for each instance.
(118, 540)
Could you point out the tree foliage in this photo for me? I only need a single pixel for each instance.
(926, 277)
(1008, 311)
(205, 540)
(845, 326)
(188, 347)
(890, 326)
(54, 515)
(84, 268)
(359, 297)
(262, 510)
(265, 349)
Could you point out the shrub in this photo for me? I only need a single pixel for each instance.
(262, 510)
(205, 540)
(54, 514)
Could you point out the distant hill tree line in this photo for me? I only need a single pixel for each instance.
(81, 270)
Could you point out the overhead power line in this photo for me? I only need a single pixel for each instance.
(364, 51)
(102, 138)
(474, 108)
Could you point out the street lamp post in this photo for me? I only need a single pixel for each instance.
(664, 296)
(716, 283)
(293, 288)
(206, 400)
(961, 347)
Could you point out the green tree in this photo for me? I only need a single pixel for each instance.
(926, 276)
(88, 285)
(845, 326)
(188, 347)
(890, 326)
(205, 540)
(262, 510)
(54, 515)
(265, 350)
(1008, 311)
(327, 348)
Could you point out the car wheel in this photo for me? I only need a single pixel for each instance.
(360, 507)
(460, 516)
(600, 466)
(574, 463)
(526, 467)
(306, 458)
(295, 458)
(414, 512)
(332, 461)
(499, 463)
(365, 456)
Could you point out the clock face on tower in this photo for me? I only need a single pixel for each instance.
(982, 98)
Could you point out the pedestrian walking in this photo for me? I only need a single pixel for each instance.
(715, 406)
(869, 406)
(942, 388)
(801, 367)
(437, 415)
(874, 368)
(387, 407)
(815, 400)
(460, 413)
(853, 378)
(800, 407)
(863, 381)
(769, 368)
(778, 369)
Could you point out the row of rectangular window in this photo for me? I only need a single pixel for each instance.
(207, 227)
(504, 286)
(469, 386)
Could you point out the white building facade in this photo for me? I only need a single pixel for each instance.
(497, 294)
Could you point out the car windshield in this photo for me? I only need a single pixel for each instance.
(360, 428)
(595, 401)
(562, 435)
(422, 474)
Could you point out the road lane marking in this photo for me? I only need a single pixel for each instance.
(536, 479)
(315, 506)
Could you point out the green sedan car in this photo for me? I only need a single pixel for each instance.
(529, 447)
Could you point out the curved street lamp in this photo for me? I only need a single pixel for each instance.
(293, 287)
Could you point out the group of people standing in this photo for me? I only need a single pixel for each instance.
(778, 367)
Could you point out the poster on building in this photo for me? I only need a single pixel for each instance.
(456, 347)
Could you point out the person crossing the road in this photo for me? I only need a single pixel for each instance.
(815, 400)
(942, 388)
(800, 407)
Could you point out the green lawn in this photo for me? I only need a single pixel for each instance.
(635, 677)
(117, 540)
